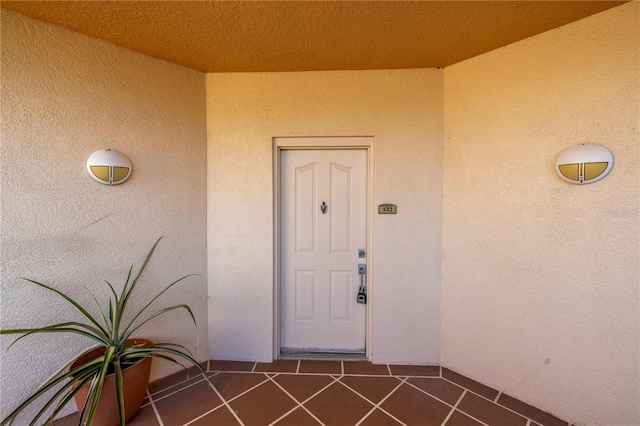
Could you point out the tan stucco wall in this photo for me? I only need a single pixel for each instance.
(541, 277)
(64, 96)
(402, 110)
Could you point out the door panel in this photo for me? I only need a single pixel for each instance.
(319, 251)
(340, 208)
(340, 295)
(305, 217)
(305, 295)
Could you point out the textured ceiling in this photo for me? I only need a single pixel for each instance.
(228, 36)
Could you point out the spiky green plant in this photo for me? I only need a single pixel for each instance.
(109, 332)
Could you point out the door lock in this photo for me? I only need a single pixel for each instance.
(362, 291)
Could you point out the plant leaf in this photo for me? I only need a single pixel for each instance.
(62, 324)
(98, 383)
(94, 333)
(64, 366)
(53, 381)
(166, 358)
(128, 276)
(126, 335)
(68, 387)
(161, 348)
(73, 302)
(66, 399)
(119, 389)
(126, 291)
(112, 311)
(87, 401)
(151, 355)
(92, 366)
(106, 323)
(161, 345)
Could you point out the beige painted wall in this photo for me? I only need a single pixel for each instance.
(64, 96)
(541, 277)
(403, 110)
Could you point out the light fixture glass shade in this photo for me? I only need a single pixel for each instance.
(584, 163)
(109, 167)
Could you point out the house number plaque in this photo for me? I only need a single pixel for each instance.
(387, 209)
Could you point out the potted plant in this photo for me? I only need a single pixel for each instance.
(110, 362)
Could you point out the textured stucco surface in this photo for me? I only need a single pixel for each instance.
(65, 95)
(402, 110)
(232, 36)
(541, 277)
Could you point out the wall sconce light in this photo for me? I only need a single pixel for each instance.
(584, 163)
(109, 167)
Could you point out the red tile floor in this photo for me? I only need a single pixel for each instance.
(331, 393)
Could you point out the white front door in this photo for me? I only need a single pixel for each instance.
(323, 223)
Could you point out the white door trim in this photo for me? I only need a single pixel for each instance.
(299, 143)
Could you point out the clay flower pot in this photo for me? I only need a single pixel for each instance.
(135, 379)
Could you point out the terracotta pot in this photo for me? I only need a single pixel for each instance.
(135, 379)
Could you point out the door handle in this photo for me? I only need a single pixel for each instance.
(362, 291)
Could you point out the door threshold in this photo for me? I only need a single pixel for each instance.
(323, 356)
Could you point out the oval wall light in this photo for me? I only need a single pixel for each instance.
(584, 163)
(109, 167)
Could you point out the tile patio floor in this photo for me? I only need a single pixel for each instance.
(331, 393)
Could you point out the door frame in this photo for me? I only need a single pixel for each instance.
(323, 143)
